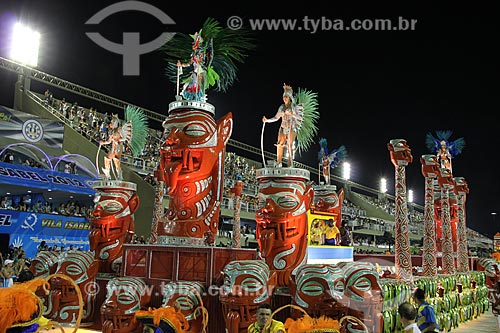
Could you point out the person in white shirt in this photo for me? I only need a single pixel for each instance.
(408, 314)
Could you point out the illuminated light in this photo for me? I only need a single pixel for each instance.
(383, 185)
(29, 191)
(49, 190)
(25, 44)
(8, 193)
(50, 198)
(410, 195)
(346, 171)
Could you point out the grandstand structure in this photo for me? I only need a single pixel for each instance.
(368, 211)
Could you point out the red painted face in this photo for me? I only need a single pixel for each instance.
(282, 222)
(112, 223)
(400, 152)
(430, 166)
(192, 167)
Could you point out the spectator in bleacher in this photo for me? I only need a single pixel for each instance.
(331, 233)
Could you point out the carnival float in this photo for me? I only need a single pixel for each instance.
(181, 282)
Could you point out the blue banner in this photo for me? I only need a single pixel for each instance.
(28, 229)
(44, 179)
(26, 127)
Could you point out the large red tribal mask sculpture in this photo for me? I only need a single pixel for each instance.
(63, 302)
(192, 168)
(319, 290)
(112, 222)
(187, 296)
(284, 199)
(247, 283)
(125, 296)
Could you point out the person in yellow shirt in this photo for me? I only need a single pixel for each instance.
(264, 311)
(331, 233)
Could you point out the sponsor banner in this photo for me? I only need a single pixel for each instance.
(44, 179)
(26, 127)
(28, 229)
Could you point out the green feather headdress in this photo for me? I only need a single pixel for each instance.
(308, 128)
(225, 49)
(139, 122)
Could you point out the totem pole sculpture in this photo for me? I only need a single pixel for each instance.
(447, 184)
(463, 255)
(326, 200)
(430, 170)
(236, 190)
(400, 157)
(125, 296)
(247, 283)
(193, 143)
(329, 160)
(112, 222)
(285, 194)
(284, 199)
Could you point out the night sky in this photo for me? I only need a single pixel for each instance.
(373, 86)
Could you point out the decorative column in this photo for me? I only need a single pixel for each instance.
(430, 170)
(400, 157)
(237, 189)
(463, 255)
(157, 211)
(285, 196)
(446, 183)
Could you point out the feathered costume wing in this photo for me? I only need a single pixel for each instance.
(434, 143)
(135, 129)
(335, 157)
(307, 128)
(224, 48)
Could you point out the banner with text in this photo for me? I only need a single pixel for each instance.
(44, 179)
(26, 127)
(28, 229)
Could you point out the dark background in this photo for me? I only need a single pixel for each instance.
(373, 86)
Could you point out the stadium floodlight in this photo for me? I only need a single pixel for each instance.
(25, 44)
(346, 171)
(383, 185)
(410, 195)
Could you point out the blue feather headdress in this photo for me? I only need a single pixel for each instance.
(336, 156)
(434, 143)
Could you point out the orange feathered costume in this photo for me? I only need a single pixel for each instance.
(19, 306)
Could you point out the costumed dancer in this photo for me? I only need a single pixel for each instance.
(329, 161)
(445, 150)
(299, 115)
(210, 57)
(133, 132)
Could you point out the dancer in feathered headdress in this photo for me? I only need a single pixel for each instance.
(210, 55)
(445, 150)
(299, 116)
(133, 132)
(330, 160)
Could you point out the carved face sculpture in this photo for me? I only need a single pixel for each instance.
(327, 200)
(364, 293)
(44, 264)
(491, 271)
(187, 296)
(445, 179)
(247, 283)
(461, 185)
(430, 166)
(400, 152)
(319, 289)
(192, 167)
(282, 221)
(125, 296)
(63, 299)
(112, 222)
